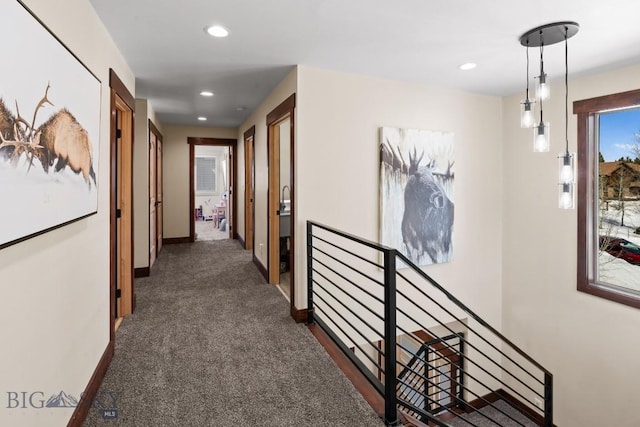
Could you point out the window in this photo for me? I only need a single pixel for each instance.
(205, 174)
(609, 196)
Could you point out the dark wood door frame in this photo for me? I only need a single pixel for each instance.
(249, 188)
(220, 142)
(285, 110)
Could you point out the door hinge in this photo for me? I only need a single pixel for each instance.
(118, 293)
(118, 213)
(118, 133)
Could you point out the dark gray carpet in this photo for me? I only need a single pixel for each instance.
(211, 344)
(501, 419)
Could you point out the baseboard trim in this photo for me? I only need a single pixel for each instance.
(85, 404)
(300, 316)
(482, 401)
(175, 240)
(261, 268)
(241, 240)
(141, 272)
(532, 414)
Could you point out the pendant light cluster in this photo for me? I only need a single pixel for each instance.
(542, 36)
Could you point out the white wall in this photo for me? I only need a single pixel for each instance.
(176, 174)
(591, 345)
(338, 160)
(54, 309)
(285, 88)
(144, 113)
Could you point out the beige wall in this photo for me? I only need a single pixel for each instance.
(176, 174)
(54, 309)
(286, 88)
(591, 345)
(338, 160)
(285, 157)
(144, 113)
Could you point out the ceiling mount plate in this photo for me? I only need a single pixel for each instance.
(548, 34)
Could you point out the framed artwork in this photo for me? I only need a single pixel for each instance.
(49, 130)
(416, 193)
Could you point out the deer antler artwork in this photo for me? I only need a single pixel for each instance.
(61, 139)
(17, 135)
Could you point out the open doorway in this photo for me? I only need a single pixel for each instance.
(211, 183)
(280, 142)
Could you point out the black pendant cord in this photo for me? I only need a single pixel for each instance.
(541, 77)
(566, 93)
(527, 98)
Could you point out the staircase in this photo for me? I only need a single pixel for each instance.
(430, 358)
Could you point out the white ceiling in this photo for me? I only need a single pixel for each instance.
(421, 41)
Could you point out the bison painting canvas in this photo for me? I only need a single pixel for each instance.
(49, 131)
(416, 193)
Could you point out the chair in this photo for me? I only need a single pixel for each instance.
(218, 215)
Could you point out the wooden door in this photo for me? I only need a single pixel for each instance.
(249, 185)
(123, 208)
(153, 180)
(159, 226)
(121, 285)
(230, 203)
(274, 202)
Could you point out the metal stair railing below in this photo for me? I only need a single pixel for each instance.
(370, 311)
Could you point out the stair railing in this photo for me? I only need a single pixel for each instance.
(422, 349)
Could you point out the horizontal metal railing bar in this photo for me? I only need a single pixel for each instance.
(461, 401)
(375, 382)
(469, 328)
(470, 345)
(355, 270)
(350, 311)
(453, 381)
(421, 413)
(467, 358)
(413, 378)
(351, 237)
(369, 309)
(346, 334)
(351, 282)
(470, 312)
(346, 251)
(431, 418)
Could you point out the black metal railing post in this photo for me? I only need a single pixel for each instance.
(462, 370)
(548, 400)
(390, 378)
(309, 273)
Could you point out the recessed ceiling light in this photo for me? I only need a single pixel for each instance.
(202, 119)
(241, 108)
(217, 31)
(468, 66)
(206, 93)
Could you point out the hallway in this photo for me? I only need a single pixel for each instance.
(211, 344)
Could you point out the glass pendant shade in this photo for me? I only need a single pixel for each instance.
(566, 196)
(566, 182)
(527, 120)
(541, 137)
(542, 88)
(566, 168)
